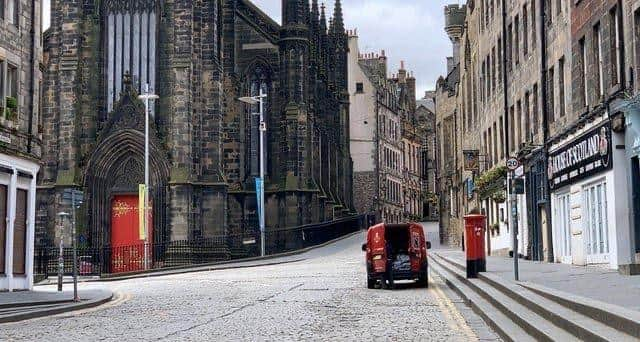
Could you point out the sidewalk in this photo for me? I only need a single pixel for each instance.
(21, 305)
(590, 282)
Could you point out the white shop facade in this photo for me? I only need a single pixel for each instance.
(17, 222)
(587, 172)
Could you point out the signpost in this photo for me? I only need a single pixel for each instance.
(513, 164)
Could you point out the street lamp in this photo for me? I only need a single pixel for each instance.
(146, 97)
(253, 100)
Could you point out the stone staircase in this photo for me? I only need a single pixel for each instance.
(522, 311)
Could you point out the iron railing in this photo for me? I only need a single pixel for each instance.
(131, 258)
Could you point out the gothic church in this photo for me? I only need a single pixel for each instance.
(199, 57)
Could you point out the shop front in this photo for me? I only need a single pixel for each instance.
(632, 144)
(588, 181)
(17, 200)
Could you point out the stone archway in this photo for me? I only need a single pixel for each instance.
(116, 168)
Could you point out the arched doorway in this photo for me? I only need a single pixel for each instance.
(115, 171)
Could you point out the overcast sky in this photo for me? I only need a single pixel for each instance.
(409, 30)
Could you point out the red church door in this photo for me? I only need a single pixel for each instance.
(127, 249)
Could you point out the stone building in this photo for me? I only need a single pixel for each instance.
(386, 138)
(20, 145)
(499, 114)
(412, 135)
(448, 170)
(199, 57)
(426, 121)
(590, 169)
(559, 94)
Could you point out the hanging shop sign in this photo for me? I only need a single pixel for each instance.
(585, 156)
(471, 160)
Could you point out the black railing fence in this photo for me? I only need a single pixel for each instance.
(136, 258)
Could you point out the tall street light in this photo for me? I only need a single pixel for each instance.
(146, 97)
(253, 100)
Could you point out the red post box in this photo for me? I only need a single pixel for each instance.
(475, 228)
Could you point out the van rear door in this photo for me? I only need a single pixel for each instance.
(417, 246)
(376, 244)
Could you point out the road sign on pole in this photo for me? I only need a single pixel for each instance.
(513, 164)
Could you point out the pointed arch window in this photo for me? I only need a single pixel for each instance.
(131, 37)
(260, 78)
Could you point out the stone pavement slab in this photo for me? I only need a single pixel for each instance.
(592, 282)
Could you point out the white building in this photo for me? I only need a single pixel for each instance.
(590, 207)
(17, 222)
(20, 150)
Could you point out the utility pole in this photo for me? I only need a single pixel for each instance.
(147, 96)
(75, 245)
(513, 199)
(513, 164)
(259, 100)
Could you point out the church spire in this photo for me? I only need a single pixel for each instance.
(314, 14)
(338, 19)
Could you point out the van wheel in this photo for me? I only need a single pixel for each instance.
(371, 283)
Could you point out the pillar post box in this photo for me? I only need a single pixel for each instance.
(475, 228)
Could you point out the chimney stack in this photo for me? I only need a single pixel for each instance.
(402, 74)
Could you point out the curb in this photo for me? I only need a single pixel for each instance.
(215, 266)
(56, 310)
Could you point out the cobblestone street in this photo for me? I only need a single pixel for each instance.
(321, 298)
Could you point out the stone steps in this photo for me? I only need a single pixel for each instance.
(538, 315)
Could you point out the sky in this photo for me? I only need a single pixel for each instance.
(408, 30)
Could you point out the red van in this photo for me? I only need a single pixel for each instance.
(396, 252)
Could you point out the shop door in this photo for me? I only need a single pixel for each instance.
(563, 227)
(20, 233)
(596, 223)
(127, 249)
(3, 225)
(635, 174)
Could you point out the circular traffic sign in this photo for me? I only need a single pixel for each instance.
(513, 164)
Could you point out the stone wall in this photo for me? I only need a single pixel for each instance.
(365, 192)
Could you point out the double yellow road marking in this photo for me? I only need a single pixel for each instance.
(454, 319)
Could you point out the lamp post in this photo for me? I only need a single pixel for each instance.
(146, 97)
(253, 100)
(62, 215)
